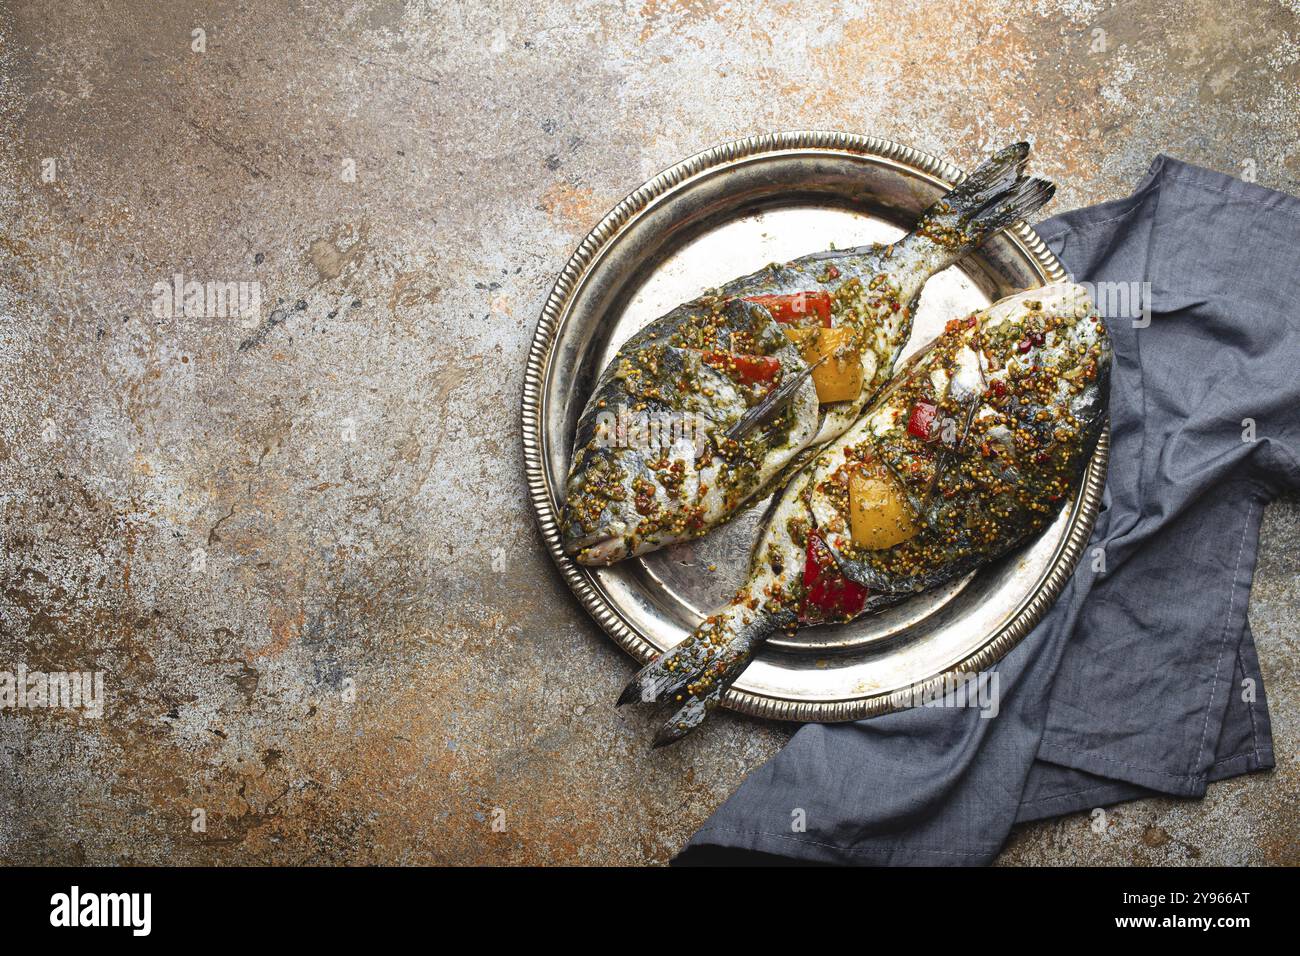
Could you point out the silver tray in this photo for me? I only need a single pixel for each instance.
(723, 213)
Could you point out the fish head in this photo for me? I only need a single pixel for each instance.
(597, 521)
(627, 463)
(1061, 328)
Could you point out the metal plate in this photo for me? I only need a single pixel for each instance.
(724, 213)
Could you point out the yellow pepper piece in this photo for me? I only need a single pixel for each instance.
(840, 378)
(879, 514)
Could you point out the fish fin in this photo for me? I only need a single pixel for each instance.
(1021, 201)
(699, 671)
(707, 686)
(664, 675)
(771, 403)
(992, 178)
(686, 664)
(690, 716)
(994, 196)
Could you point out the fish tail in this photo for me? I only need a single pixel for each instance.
(992, 178)
(995, 195)
(1022, 200)
(698, 672)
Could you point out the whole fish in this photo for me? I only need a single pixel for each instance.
(971, 450)
(704, 407)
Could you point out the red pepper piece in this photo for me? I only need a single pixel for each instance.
(828, 593)
(796, 306)
(747, 369)
(922, 420)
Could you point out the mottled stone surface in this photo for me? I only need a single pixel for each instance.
(302, 552)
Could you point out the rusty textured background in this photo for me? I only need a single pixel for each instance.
(374, 654)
